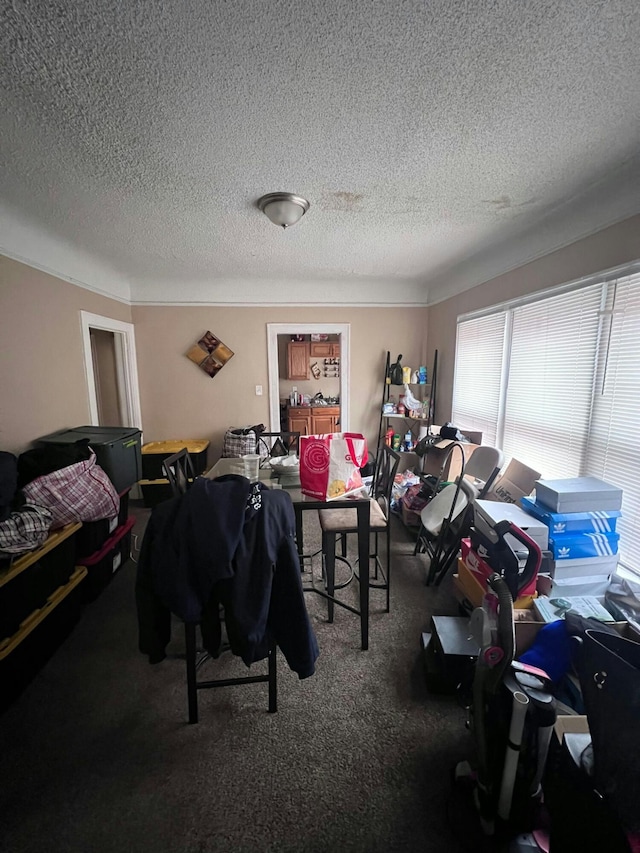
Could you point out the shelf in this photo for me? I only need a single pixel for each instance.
(405, 418)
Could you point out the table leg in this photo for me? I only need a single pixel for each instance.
(298, 513)
(363, 509)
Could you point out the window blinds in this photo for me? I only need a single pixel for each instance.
(551, 374)
(561, 389)
(476, 389)
(613, 449)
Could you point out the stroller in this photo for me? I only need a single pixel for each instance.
(512, 711)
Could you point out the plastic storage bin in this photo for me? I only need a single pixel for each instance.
(27, 583)
(155, 491)
(105, 563)
(155, 451)
(117, 450)
(24, 653)
(93, 534)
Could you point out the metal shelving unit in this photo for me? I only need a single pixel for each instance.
(412, 424)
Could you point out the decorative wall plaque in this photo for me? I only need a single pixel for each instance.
(210, 354)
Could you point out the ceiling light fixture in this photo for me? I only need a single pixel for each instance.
(284, 209)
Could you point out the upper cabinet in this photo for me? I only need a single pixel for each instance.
(326, 349)
(298, 360)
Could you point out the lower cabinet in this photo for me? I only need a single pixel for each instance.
(314, 420)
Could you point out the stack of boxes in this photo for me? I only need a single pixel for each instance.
(103, 546)
(581, 514)
(155, 486)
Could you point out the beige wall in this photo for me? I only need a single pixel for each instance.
(609, 248)
(180, 401)
(42, 379)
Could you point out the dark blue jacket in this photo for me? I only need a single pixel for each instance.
(223, 543)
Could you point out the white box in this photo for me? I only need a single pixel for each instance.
(595, 585)
(588, 567)
(578, 494)
(491, 512)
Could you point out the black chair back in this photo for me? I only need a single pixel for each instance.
(178, 469)
(384, 476)
(274, 444)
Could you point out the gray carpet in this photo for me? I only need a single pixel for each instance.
(96, 754)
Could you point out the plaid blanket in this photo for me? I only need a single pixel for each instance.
(25, 529)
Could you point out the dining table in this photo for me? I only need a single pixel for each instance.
(289, 481)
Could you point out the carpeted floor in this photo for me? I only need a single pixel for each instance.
(96, 755)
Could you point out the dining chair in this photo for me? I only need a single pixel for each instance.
(338, 523)
(178, 470)
(444, 521)
(273, 444)
(482, 468)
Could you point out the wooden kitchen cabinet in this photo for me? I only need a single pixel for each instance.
(325, 349)
(298, 360)
(314, 420)
(300, 420)
(325, 419)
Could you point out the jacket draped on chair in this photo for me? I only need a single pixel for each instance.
(225, 542)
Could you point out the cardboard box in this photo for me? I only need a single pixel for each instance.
(578, 494)
(482, 570)
(588, 568)
(570, 724)
(595, 585)
(472, 587)
(577, 546)
(517, 481)
(487, 512)
(435, 460)
(587, 605)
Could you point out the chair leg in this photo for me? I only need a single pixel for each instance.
(329, 554)
(273, 681)
(192, 690)
(375, 555)
(343, 544)
(388, 565)
(418, 545)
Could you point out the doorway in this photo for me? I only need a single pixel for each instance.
(111, 371)
(340, 330)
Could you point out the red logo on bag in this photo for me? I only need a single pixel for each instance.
(317, 458)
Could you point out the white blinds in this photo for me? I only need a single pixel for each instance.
(551, 372)
(476, 389)
(613, 450)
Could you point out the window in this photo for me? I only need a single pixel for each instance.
(564, 391)
(613, 447)
(476, 391)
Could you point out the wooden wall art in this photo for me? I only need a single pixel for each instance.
(210, 354)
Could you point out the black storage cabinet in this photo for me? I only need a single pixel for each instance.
(117, 449)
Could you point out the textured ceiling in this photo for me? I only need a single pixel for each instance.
(425, 134)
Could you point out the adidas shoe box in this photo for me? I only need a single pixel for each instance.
(597, 521)
(579, 546)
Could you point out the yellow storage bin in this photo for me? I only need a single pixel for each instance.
(155, 451)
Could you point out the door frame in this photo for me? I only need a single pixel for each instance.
(275, 329)
(126, 367)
